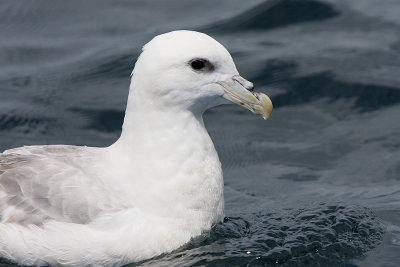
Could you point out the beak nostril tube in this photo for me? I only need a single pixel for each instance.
(245, 83)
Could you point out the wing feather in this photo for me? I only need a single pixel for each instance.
(39, 183)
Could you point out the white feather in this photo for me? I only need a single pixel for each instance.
(149, 193)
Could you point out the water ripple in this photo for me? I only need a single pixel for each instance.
(275, 14)
(317, 235)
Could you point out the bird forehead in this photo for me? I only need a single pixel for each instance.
(186, 45)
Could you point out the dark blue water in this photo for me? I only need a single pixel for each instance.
(318, 184)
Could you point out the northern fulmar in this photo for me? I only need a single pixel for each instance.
(159, 185)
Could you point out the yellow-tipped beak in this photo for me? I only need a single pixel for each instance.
(240, 91)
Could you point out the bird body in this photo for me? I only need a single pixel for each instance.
(159, 185)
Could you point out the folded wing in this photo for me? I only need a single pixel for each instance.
(39, 183)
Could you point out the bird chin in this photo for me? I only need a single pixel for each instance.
(256, 102)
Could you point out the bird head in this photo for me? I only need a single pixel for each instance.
(191, 70)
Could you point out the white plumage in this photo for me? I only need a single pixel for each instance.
(150, 192)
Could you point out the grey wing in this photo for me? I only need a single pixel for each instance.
(39, 183)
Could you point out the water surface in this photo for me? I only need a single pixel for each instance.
(317, 184)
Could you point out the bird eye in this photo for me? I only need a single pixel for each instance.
(201, 64)
(197, 64)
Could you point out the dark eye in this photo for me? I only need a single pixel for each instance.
(197, 64)
(201, 64)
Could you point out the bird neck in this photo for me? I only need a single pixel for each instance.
(150, 124)
(168, 161)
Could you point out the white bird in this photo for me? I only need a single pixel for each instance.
(150, 192)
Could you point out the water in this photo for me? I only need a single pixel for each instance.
(317, 184)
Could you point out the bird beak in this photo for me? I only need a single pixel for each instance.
(240, 91)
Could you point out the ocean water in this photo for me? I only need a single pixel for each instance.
(317, 184)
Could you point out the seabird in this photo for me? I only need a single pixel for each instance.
(159, 185)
